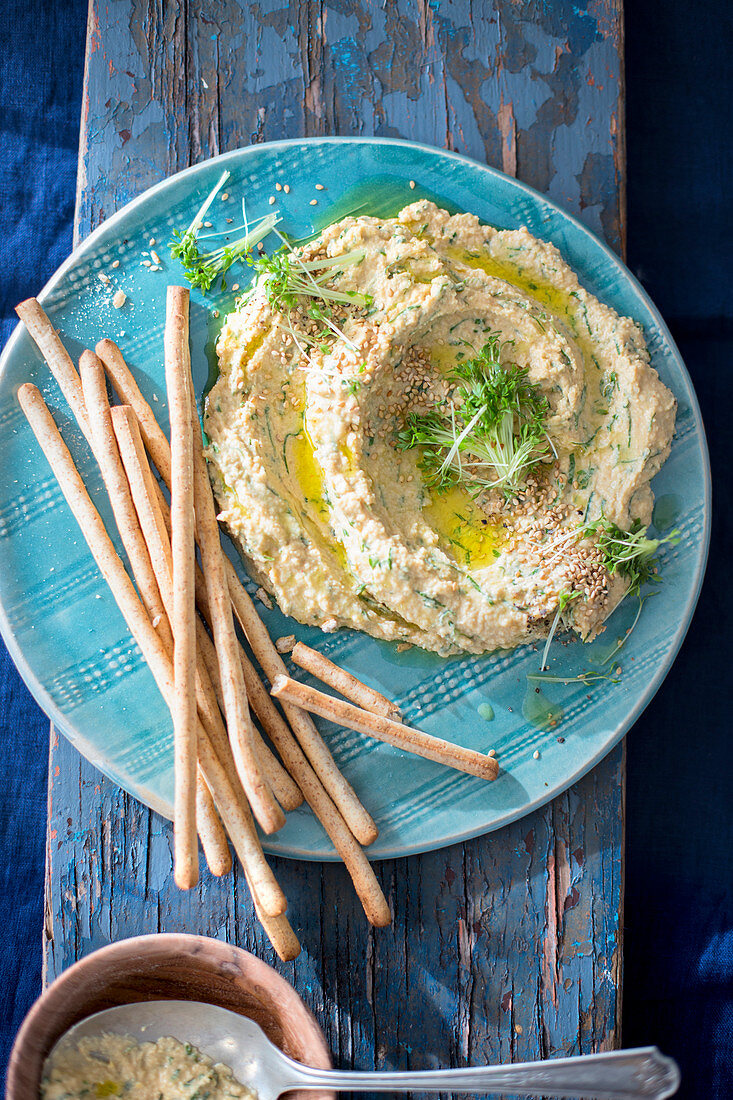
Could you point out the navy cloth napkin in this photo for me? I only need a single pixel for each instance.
(678, 985)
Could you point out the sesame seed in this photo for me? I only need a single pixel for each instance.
(536, 754)
(207, 225)
(229, 221)
(278, 187)
(115, 263)
(314, 202)
(215, 313)
(151, 242)
(119, 299)
(146, 263)
(271, 200)
(286, 188)
(412, 185)
(320, 187)
(492, 752)
(155, 257)
(225, 196)
(235, 286)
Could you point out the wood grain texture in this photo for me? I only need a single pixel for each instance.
(507, 947)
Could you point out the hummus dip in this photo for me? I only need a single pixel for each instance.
(352, 451)
(114, 1065)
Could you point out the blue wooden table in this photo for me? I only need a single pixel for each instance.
(510, 946)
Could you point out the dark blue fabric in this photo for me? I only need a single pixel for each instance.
(678, 989)
(41, 71)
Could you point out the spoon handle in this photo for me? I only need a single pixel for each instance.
(617, 1075)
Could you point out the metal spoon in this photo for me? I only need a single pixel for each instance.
(240, 1043)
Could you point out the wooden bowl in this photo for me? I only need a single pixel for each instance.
(165, 967)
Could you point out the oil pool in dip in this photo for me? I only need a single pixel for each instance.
(115, 1065)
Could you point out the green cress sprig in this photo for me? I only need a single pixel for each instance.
(202, 269)
(289, 283)
(491, 433)
(630, 553)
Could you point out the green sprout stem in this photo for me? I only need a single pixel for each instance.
(491, 434)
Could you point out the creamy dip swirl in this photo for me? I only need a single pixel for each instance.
(343, 526)
(115, 1065)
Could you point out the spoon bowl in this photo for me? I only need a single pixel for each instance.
(239, 1043)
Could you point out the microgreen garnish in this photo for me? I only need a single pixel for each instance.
(565, 599)
(202, 269)
(492, 431)
(586, 678)
(629, 553)
(290, 283)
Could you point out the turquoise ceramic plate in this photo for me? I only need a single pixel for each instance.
(71, 644)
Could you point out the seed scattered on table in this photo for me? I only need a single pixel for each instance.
(314, 202)
(286, 188)
(536, 754)
(155, 257)
(225, 196)
(278, 187)
(320, 187)
(412, 185)
(115, 263)
(271, 200)
(151, 242)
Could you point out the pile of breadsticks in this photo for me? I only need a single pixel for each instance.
(183, 617)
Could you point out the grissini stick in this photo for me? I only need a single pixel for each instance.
(384, 729)
(57, 357)
(155, 533)
(236, 707)
(106, 452)
(340, 790)
(342, 681)
(240, 827)
(183, 618)
(211, 831)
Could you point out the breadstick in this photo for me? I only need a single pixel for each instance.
(278, 930)
(141, 482)
(340, 790)
(211, 831)
(106, 452)
(57, 357)
(239, 826)
(183, 619)
(236, 709)
(343, 682)
(384, 729)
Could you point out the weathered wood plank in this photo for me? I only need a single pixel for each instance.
(507, 947)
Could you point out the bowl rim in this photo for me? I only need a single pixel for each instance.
(174, 944)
